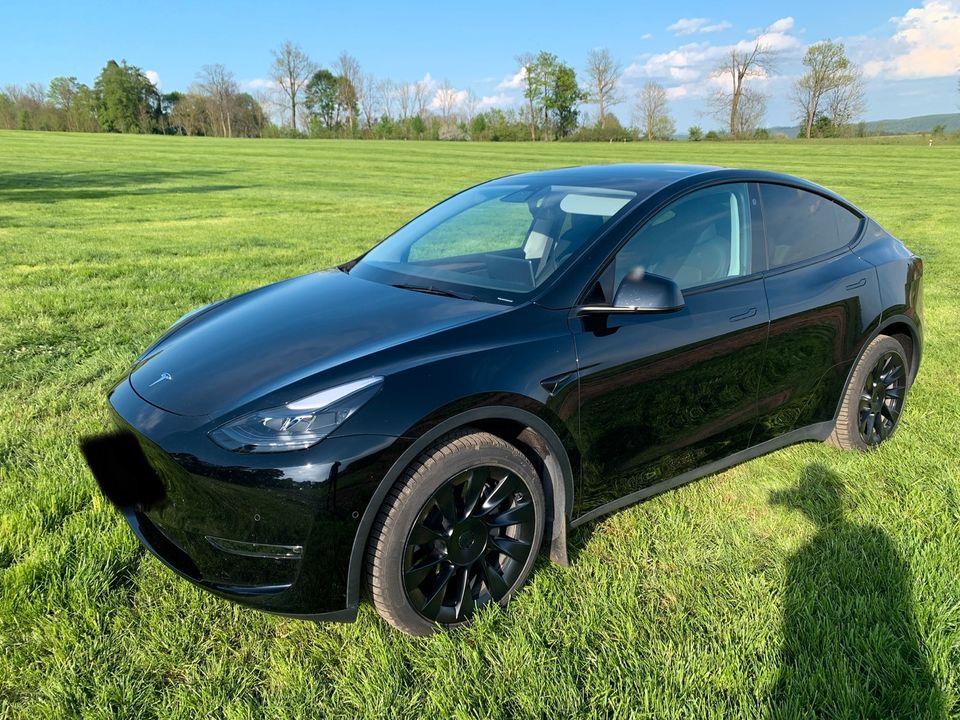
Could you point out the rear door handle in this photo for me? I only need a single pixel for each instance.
(858, 284)
(744, 315)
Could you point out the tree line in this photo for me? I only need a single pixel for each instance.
(343, 101)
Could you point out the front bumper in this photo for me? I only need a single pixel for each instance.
(271, 531)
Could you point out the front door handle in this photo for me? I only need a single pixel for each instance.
(744, 315)
(858, 284)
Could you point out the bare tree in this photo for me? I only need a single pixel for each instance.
(741, 66)
(219, 85)
(291, 71)
(348, 67)
(470, 105)
(387, 93)
(367, 96)
(651, 112)
(830, 78)
(405, 99)
(604, 73)
(420, 89)
(752, 108)
(847, 101)
(526, 62)
(446, 99)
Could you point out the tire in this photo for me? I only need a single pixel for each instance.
(462, 527)
(873, 400)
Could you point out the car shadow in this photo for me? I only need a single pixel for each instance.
(851, 645)
(51, 187)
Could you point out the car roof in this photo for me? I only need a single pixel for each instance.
(643, 179)
(646, 179)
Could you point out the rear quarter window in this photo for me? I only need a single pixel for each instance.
(801, 225)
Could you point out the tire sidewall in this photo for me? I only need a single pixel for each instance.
(393, 543)
(850, 431)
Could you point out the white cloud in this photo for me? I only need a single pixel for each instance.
(491, 101)
(692, 26)
(647, 36)
(689, 70)
(456, 98)
(781, 26)
(154, 77)
(260, 84)
(513, 82)
(926, 44)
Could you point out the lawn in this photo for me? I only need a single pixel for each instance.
(806, 583)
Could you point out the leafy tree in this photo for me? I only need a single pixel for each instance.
(695, 133)
(418, 126)
(563, 98)
(322, 97)
(478, 126)
(128, 101)
(831, 84)
(553, 95)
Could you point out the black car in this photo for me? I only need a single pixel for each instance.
(529, 354)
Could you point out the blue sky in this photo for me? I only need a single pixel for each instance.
(909, 50)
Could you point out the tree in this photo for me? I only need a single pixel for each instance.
(563, 98)
(552, 95)
(604, 73)
(189, 114)
(128, 101)
(741, 66)
(652, 112)
(831, 79)
(322, 97)
(351, 85)
(531, 90)
(695, 133)
(218, 84)
(446, 99)
(292, 69)
(847, 102)
(750, 113)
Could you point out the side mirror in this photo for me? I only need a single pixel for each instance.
(641, 292)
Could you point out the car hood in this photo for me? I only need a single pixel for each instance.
(266, 339)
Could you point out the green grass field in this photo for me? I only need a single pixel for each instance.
(808, 583)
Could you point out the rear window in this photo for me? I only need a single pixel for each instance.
(801, 225)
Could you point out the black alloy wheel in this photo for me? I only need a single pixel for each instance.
(460, 529)
(873, 401)
(469, 544)
(881, 399)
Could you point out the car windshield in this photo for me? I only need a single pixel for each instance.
(495, 242)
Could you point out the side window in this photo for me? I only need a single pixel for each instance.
(800, 225)
(848, 225)
(701, 238)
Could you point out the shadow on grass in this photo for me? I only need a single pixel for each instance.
(51, 187)
(851, 646)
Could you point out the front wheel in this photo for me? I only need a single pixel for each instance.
(461, 528)
(873, 401)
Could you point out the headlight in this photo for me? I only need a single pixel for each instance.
(299, 424)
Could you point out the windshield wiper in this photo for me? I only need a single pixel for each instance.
(432, 291)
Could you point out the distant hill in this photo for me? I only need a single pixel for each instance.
(901, 126)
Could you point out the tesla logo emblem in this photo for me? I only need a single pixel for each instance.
(163, 376)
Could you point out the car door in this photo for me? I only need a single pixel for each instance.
(823, 300)
(664, 393)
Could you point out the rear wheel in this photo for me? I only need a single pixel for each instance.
(460, 529)
(873, 401)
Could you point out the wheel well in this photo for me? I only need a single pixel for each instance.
(903, 333)
(535, 447)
